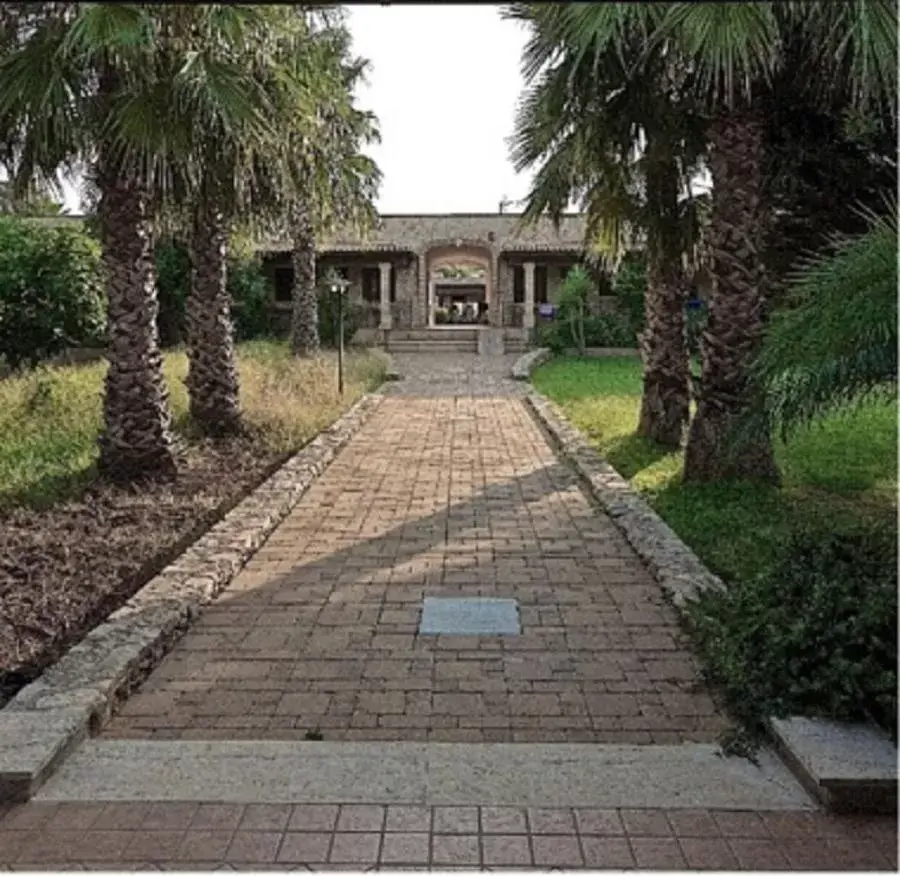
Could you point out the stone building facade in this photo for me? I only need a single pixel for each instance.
(402, 271)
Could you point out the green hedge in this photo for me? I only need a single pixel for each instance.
(51, 291)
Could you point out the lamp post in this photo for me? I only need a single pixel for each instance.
(339, 287)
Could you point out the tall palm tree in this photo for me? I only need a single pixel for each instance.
(618, 137)
(734, 50)
(334, 182)
(64, 82)
(219, 136)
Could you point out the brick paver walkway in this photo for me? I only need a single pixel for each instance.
(441, 495)
(191, 836)
(437, 495)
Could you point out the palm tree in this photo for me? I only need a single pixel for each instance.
(220, 134)
(65, 79)
(618, 137)
(734, 50)
(334, 183)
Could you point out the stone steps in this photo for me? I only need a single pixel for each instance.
(514, 774)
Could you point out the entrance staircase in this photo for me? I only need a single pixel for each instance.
(447, 340)
(454, 340)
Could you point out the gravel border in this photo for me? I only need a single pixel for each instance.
(76, 695)
(675, 566)
(527, 362)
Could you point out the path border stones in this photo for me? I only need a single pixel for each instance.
(527, 362)
(53, 714)
(848, 767)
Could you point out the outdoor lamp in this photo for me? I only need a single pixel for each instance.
(339, 287)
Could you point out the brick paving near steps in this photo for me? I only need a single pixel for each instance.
(203, 836)
(438, 496)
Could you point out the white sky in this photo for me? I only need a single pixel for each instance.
(444, 83)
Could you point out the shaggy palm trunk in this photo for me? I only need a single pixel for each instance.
(136, 441)
(665, 401)
(305, 307)
(720, 445)
(212, 380)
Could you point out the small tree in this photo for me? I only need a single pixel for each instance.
(573, 303)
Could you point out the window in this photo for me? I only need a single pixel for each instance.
(518, 273)
(371, 284)
(284, 282)
(393, 284)
(540, 284)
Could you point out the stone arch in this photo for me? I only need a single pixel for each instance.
(459, 253)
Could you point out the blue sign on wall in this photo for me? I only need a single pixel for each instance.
(547, 310)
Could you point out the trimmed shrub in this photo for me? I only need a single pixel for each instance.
(629, 287)
(51, 291)
(816, 636)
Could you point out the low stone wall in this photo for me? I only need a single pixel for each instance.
(72, 356)
(54, 713)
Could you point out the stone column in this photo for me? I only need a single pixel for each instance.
(420, 305)
(385, 288)
(528, 316)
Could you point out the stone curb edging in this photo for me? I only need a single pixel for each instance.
(527, 362)
(848, 767)
(675, 566)
(50, 716)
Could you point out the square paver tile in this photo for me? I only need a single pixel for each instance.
(469, 616)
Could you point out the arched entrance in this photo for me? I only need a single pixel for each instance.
(459, 285)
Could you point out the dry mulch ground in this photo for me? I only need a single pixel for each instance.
(64, 569)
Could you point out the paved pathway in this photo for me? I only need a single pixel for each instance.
(442, 495)
(450, 489)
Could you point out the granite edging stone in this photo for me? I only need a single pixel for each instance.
(79, 692)
(527, 362)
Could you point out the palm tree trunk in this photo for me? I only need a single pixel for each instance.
(305, 308)
(717, 448)
(665, 402)
(136, 441)
(212, 380)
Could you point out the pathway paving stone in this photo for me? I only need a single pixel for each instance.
(41, 836)
(450, 490)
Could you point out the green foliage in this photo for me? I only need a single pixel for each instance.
(173, 284)
(328, 318)
(629, 287)
(251, 296)
(51, 291)
(816, 636)
(250, 293)
(694, 325)
(573, 304)
(835, 343)
(600, 330)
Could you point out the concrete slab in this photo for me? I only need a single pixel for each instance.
(469, 616)
(850, 765)
(32, 744)
(609, 776)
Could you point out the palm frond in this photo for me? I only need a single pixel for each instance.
(835, 344)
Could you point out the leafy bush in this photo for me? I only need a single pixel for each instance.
(173, 283)
(629, 287)
(816, 636)
(328, 318)
(51, 291)
(251, 296)
(603, 330)
(249, 287)
(695, 316)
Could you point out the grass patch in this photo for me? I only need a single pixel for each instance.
(834, 474)
(50, 418)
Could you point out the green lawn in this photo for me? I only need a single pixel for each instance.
(843, 469)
